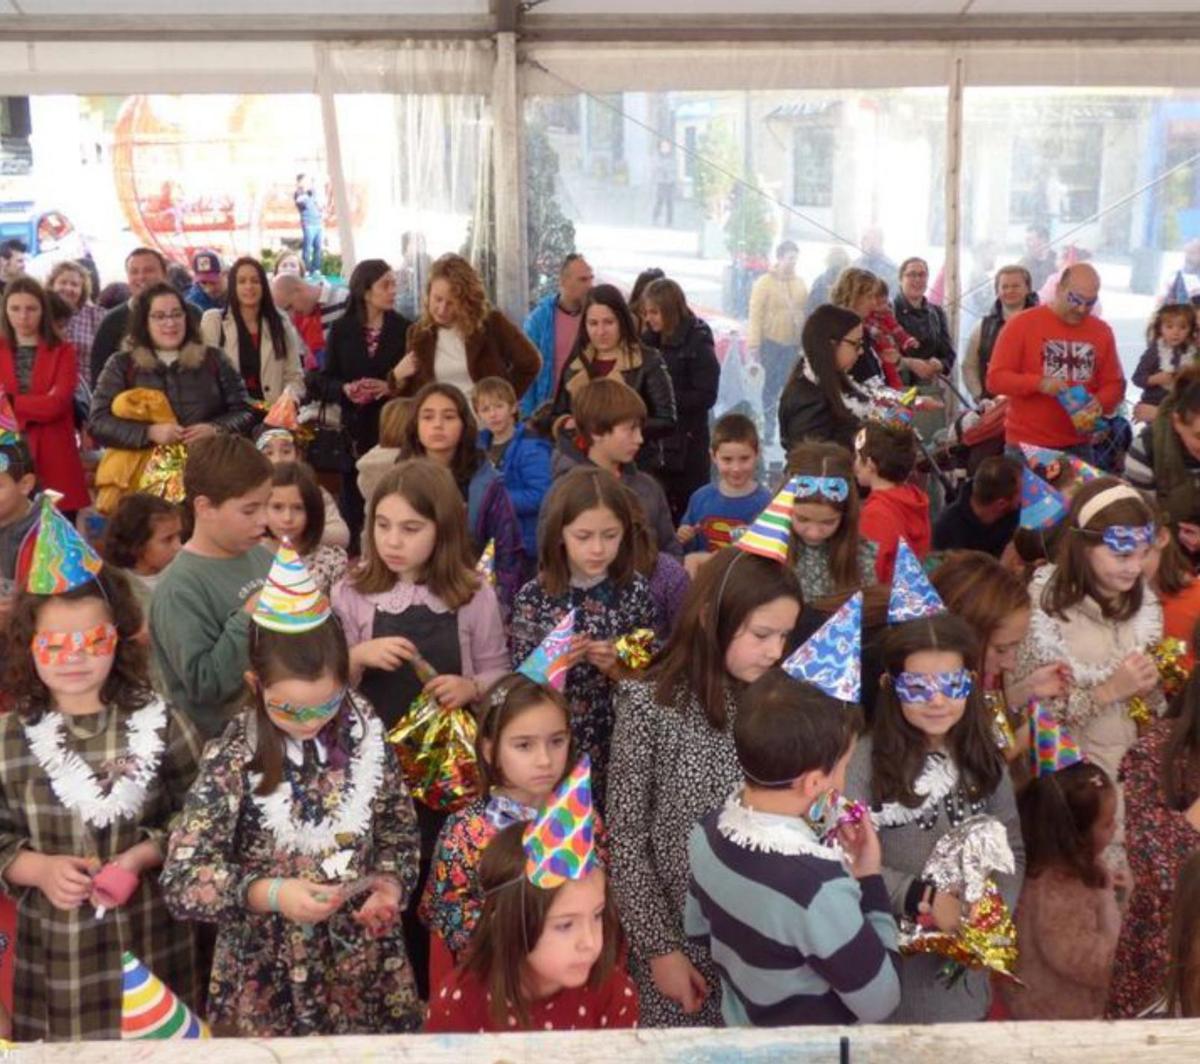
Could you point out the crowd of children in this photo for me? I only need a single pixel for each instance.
(704, 775)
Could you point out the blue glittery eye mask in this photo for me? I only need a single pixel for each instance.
(1125, 539)
(834, 489)
(925, 686)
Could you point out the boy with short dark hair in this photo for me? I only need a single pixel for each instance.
(734, 499)
(985, 514)
(885, 455)
(200, 612)
(18, 514)
(801, 930)
(608, 417)
(521, 456)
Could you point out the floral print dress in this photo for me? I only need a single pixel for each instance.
(604, 611)
(272, 977)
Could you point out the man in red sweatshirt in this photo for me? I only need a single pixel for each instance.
(1045, 350)
(885, 456)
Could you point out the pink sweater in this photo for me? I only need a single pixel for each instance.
(480, 629)
(1066, 937)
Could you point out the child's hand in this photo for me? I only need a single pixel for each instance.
(578, 651)
(861, 844)
(1136, 675)
(382, 907)
(388, 652)
(452, 691)
(677, 978)
(602, 654)
(1049, 681)
(67, 881)
(945, 912)
(303, 902)
(685, 533)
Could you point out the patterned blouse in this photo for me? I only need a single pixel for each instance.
(816, 579)
(327, 564)
(602, 612)
(272, 977)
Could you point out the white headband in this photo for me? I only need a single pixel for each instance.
(1108, 496)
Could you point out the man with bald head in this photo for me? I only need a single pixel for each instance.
(1045, 350)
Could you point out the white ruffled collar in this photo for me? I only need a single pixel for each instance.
(772, 832)
(404, 594)
(938, 778)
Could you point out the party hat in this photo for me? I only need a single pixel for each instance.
(1054, 747)
(282, 414)
(831, 659)
(290, 600)
(54, 558)
(1083, 471)
(486, 566)
(149, 1009)
(10, 432)
(1042, 506)
(558, 841)
(912, 594)
(548, 662)
(769, 534)
(1041, 456)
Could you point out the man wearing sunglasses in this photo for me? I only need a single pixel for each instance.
(1043, 353)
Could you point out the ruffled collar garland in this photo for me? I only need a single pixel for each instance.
(1047, 634)
(364, 774)
(770, 833)
(78, 788)
(938, 779)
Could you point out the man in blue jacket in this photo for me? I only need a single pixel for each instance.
(553, 326)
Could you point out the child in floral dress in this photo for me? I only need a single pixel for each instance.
(299, 839)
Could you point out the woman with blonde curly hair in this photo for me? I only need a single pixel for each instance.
(461, 338)
(855, 290)
(73, 284)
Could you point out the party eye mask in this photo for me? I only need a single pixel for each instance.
(924, 686)
(307, 714)
(1125, 539)
(835, 489)
(57, 648)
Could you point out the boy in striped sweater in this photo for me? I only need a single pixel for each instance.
(800, 930)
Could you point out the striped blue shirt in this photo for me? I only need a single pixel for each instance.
(797, 940)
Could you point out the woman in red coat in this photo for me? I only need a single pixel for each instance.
(39, 373)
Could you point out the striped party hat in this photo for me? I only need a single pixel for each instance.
(548, 662)
(10, 431)
(290, 600)
(559, 842)
(54, 558)
(912, 595)
(831, 659)
(1042, 506)
(149, 1009)
(769, 534)
(1053, 747)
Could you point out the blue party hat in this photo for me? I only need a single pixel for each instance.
(1042, 506)
(831, 659)
(912, 594)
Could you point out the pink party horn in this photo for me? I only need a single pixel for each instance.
(112, 887)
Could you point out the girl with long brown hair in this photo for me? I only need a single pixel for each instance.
(673, 761)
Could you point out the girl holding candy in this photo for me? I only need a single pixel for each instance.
(299, 840)
(92, 767)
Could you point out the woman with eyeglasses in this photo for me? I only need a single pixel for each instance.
(820, 400)
(163, 353)
(924, 321)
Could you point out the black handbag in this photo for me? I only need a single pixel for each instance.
(332, 448)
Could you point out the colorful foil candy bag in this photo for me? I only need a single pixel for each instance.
(636, 650)
(964, 861)
(436, 750)
(1077, 402)
(1168, 655)
(163, 473)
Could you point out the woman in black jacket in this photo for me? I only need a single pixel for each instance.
(820, 401)
(686, 343)
(608, 343)
(364, 346)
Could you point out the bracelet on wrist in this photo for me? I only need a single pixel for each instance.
(273, 894)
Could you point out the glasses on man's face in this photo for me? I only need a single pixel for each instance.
(1077, 300)
(162, 317)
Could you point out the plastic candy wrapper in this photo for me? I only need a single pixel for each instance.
(284, 413)
(163, 474)
(1079, 404)
(436, 748)
(486, 566)
(838, 811)
(1002, 730)
(1168, 655)
(964, 861)
(635, 650)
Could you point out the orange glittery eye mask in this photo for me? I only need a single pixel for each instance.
(56, 648)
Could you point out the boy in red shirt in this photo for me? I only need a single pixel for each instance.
(885, 456)
(1045, 350)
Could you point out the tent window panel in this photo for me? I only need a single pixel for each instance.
(812, 166)
(1056, 174)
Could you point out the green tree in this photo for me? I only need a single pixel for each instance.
(749, 228)
(717, 161)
